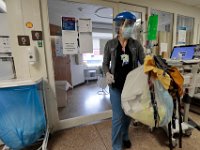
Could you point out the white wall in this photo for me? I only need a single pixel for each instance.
(168, 6)
(19, 12)
(4, 30)
(77, 70)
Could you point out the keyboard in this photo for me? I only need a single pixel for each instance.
(191, 61)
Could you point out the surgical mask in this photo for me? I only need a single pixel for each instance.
(127, 32)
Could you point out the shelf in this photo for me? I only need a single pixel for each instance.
(90, 74)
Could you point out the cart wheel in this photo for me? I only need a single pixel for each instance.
(135, 123)
(174, 142)
(151, 129)
(50, 136)
(188, 133)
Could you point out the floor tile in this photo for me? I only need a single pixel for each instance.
(98, 137)
(84, 100)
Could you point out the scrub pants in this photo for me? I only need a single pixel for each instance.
(120, 122)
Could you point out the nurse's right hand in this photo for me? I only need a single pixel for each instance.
(109, 78)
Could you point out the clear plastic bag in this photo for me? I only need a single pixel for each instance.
(22, 116)
(136, 100)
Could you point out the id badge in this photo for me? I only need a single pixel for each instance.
(125, 59)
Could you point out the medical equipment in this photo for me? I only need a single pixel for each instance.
(177, 126)
(189, 70)
(132, 104)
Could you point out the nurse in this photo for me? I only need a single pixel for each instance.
(121, 55)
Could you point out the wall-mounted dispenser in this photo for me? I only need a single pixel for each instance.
(32, 55)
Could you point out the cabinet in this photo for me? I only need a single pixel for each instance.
(90, 74)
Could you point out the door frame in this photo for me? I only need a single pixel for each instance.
(53, 113)
(54, 121)
(129, 7)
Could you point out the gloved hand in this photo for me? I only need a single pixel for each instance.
(109, 78)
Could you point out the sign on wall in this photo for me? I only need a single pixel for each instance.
(23, 40)
(68, 23)
(70, 43)
(85, 25)
(36, 35)
(5, 44)
(182, 35)
(76, 35)
(85, 35)
(58, 46)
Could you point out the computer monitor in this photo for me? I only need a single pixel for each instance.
(185, 52)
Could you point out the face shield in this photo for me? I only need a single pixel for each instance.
(127, 28)
(124, 23)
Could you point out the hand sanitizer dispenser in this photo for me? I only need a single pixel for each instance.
(32, 55)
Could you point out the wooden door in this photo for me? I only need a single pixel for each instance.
(62, 70)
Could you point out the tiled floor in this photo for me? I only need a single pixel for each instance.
(84, 100)
(98, 137)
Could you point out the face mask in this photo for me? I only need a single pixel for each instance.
(127, 32)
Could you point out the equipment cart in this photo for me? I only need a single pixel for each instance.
(189, 71)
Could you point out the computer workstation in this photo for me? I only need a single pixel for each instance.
(186, 59)
(184, 53)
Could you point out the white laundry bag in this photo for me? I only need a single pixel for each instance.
(136, 99)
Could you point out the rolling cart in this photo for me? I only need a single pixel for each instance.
(189, 71)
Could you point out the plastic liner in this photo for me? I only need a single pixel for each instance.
(22, 115)
(136, 100)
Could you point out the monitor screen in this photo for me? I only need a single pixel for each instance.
(184, 52)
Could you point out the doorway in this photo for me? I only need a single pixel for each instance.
(76, 76)
(85, 64)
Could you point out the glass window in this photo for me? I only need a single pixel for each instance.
(102, 26)
(165, 33)
(96, 57)
(185, 28)
(70, 68)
